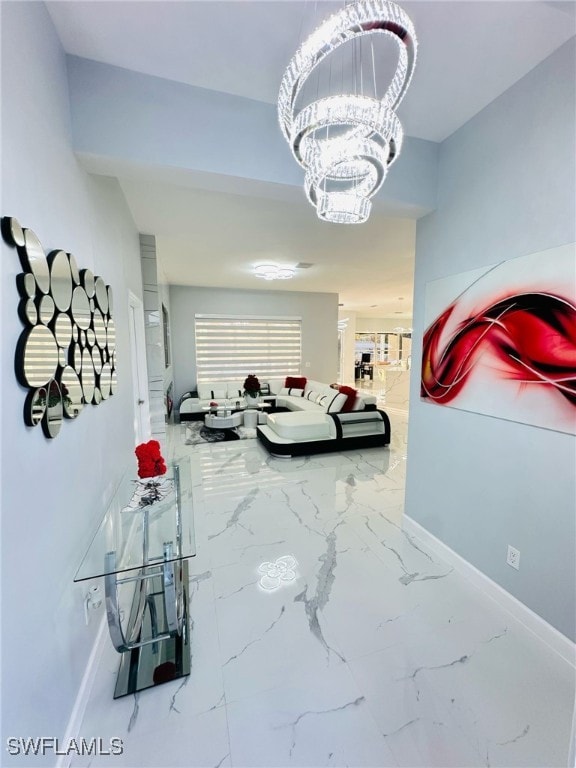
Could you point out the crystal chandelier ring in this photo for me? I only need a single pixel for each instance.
(365, 165)
(365, 17)
(366, 115)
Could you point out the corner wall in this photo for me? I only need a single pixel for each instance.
(506, 189)
(319, 313)
(53, 491)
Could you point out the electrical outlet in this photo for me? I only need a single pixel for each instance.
(513, 557)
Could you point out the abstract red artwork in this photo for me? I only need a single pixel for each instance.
(501, 340)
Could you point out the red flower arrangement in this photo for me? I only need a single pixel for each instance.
(150, 461)
(251, 386)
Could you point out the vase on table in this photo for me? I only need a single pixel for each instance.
(252, 401)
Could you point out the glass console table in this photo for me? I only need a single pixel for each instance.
(141, 547)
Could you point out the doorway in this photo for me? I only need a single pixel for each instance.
(139, 371)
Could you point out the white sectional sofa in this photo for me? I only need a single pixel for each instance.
(314, 397)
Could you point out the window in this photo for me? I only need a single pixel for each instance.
(229, 347)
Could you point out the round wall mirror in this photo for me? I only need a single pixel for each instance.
(36, 356)
(90, 337)
(26, 285)
(12, 231)
(71, 393)
(97, 398)
(87, 376)
(110, 301)
(111, 336)
(75, 357)
(81, 308)
(97, 360)
(113, 382)
(27, 312)
(74, 269)
(63, 329)
(106, 380)
(33, 259)
(99, 329)
(101, 295)
(60, 280)
(35, 406)
(46, 309)
(52, 420)
(87, 280)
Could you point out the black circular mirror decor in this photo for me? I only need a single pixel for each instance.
(52, 420)
(34, 260)
(74, 269)
(63, 330)
(72, 393)
(60, 280)
(36, 356)
(46, 309)
(87, 280)
(12, 231)
(106, 380)
(65, 355)
(35, 406)
(87, 376)
(101, 295)
(26, 285)
(81, 308)
(28, 312)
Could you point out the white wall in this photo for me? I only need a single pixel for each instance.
(506, 189)
(53, 491)
(319, 313)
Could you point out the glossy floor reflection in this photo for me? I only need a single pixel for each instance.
(376, 653)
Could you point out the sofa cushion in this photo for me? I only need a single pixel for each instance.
(299, 382)
(293, 391)
(234, 389)
(351, 397)
(213, 391)
(337, 403)
(300, 425)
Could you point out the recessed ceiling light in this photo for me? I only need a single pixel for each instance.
(304, 265)
(373, 306)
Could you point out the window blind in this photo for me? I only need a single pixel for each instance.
(228, 347)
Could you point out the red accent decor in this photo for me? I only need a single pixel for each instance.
(150, 461)
(295, 382)
(351, 394)
(532, 335)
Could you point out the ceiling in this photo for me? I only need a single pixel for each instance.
(469, 53)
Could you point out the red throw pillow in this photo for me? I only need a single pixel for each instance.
(297, 382)
(351, 397)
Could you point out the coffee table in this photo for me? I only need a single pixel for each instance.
(213, 421)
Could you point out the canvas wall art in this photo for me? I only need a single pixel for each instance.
(501, 340)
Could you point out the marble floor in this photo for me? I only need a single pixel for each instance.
(375, 653)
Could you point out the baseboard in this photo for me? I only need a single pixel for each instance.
(79, 708)
(545, 632)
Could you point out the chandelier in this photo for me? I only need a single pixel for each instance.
(347, 142)
(274, 272)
